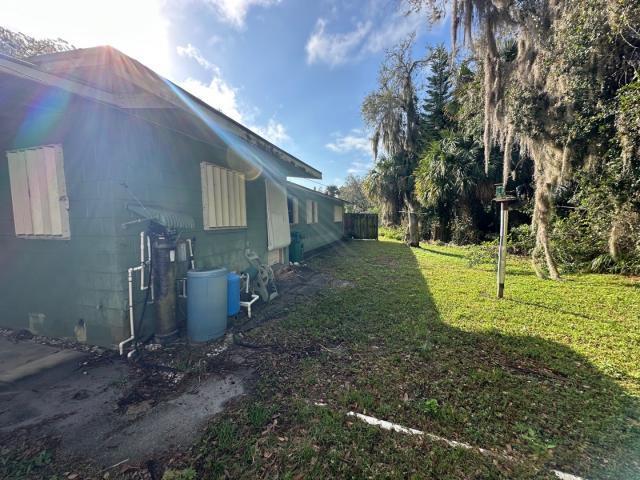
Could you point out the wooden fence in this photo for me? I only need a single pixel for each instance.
(361, 225)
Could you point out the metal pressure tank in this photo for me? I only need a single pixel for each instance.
(164, 282)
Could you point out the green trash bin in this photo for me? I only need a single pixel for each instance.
(296, 248)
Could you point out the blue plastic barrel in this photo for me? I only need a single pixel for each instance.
(233, 293)
(206, 304)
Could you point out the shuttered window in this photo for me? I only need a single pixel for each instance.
(312, 211)
(39, 193)
(337, 213)
(223, 197)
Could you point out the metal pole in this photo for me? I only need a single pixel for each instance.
(502, 249)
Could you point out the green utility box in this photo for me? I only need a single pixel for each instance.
(296, 248)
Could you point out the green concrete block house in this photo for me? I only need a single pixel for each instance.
(98, 150)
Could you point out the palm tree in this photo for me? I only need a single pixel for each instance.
(391, 112)
(448, 177)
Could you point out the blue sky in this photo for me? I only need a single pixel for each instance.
(295, 71)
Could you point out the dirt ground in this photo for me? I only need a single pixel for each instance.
(98, 416)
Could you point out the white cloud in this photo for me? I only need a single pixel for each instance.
(359, 168)
(217, 93)
(334, 48)
(192, 52)
(351, 142)
(357, 144)
(235, 11)
(370, 36)
(396, 29)
(223, 96)
(275, 132)
(138, 28)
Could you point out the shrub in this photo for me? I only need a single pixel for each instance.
(463, 232)
(482, 254)
(392, 233)
(521, 240)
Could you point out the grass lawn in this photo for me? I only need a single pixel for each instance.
(548, 377)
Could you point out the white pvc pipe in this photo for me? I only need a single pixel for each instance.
(141, 268)
(394, 427)
(153, 297)
(566, 476)
(385, 425)
(145, 262)
(131, 318)
(142, 287)
(191, 260)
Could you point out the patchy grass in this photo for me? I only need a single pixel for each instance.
(548, 377)
(25, 465)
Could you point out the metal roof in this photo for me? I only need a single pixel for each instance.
(164, 217)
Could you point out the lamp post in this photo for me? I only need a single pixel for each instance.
(504, 200)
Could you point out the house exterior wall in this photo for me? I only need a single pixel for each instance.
(78, 287)
(67, 288)
(162, 169)
(326, 231)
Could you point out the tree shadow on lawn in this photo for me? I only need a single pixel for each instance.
(438, 252)
(385, 351)
(551, 308)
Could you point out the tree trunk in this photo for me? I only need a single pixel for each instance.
(413, 230)
(386, 214)
(614, 236)
(541, 222)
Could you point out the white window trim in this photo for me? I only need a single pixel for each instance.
(312, 211)
(39, 193)
(224, 202)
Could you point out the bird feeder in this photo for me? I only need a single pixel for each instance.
(504, 201)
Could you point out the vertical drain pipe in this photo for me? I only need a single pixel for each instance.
(130, 271)
(149, 262)
(131, 319)
(192, 262)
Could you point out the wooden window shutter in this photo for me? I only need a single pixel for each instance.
(223, 197)
(38, 192)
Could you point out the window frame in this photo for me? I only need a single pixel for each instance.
(294, 213)
(314, 211)
(338, 208)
